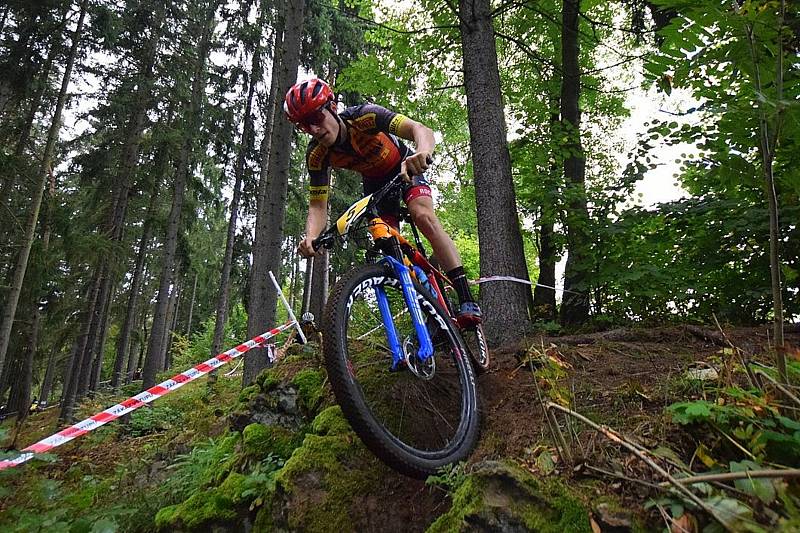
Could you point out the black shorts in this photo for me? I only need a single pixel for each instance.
(389, 207)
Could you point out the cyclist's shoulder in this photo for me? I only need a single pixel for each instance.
(316, 155)
(368, 115)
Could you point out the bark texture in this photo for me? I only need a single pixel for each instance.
(574, 307)
(272, 192)
(505, 304)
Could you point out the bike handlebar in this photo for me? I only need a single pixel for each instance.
(326, 238)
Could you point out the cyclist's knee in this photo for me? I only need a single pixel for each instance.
(427, 221)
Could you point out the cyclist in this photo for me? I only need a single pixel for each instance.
(366, 139)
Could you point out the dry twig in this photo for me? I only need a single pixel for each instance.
(730, 476)
(616, 437)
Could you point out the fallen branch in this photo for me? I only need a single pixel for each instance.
(729, 476)
(778, 386)
(706, 335)
(619, 439)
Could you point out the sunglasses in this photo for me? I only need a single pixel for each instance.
(314, 118)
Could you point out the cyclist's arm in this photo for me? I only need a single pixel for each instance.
(317, 218)
(423, 139)
(315, 224)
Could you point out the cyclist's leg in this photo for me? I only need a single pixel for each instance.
(420, 205)
(417, 197)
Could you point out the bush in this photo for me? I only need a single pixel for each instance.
(153, 420)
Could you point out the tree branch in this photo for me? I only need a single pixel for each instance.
(389, 28)
(529, 52)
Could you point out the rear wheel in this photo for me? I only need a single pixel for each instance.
(478, 349)
(416, 422)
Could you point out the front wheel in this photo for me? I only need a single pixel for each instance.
(416, 424)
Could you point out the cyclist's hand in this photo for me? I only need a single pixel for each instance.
(416, 164)
(305, 248)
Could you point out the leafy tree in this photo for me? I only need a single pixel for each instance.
(732, 58)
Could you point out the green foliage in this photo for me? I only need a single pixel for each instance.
(149, 420)
(449, 477)
(188, 352)
(656, 265)
(750, 418)
(206, 463)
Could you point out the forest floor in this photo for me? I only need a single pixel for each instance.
(624, 379)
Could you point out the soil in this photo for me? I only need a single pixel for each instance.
(624, 379)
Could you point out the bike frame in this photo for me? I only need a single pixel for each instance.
(383, 232)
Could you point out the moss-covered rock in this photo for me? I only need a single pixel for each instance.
(504, 497)
(248, 393)
(316, 489)
(233, 487)
(260, 440)
(268, 380)
(331, 421)
(206, 507)
(309, 388)
(201, 510)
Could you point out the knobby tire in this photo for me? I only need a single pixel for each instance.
(415, 426)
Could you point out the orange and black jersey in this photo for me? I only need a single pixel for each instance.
(372, 149)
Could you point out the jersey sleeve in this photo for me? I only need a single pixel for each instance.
(317, 162)
(373, 118)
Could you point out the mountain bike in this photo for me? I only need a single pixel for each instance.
(395, 356)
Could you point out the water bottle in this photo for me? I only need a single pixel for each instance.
(423, 280)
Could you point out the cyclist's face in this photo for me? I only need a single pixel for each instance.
(323, 127)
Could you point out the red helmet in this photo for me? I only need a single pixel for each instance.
(306, 97)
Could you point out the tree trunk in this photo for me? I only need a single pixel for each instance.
(38, 282)
(172, 312)
(191, 307)
(191, 124)
(90, 346)
(768, 139)
(505, 304)
(272, 193)
(128, 161)
(224, 282)
(47, 383)
(308, 281)
(20, 398)
(574, 307)
(102, 335)
(295, 275)
(75, 365)
(136, 357)
(123, 341)
(544, 299)
(30, 228)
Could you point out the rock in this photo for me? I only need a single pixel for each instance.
(611, 520)
(502, 497)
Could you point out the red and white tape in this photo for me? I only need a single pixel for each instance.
(145, 397)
